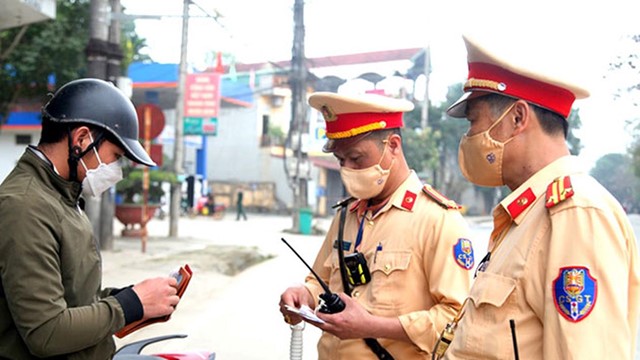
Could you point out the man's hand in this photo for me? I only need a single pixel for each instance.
(354, 322)
(295, 296)
(158, 296)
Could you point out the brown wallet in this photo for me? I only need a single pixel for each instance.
(183, 275)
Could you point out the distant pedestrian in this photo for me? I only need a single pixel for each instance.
(240, 206)
(211, 204)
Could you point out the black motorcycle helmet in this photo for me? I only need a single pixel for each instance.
(99, 103)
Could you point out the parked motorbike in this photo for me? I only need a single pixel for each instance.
(133, 351)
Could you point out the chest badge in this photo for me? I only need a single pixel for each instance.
(575, 292)
(463, 253)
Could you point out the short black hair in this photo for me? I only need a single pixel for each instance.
(53, 132)
(551, 123)
(383, 134)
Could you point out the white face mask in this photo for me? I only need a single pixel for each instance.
(100, 179)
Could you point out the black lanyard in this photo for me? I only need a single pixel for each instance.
(373, 344)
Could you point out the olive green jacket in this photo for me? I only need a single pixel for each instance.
(51, 302)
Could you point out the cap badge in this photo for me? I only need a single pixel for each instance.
(491, 158)
(328, 113)
(485, 84)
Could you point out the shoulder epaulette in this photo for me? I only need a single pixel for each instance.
(343, 202)
(439, 198)
(558, 191)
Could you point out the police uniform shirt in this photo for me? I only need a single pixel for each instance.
(419, 256)
(565, 270)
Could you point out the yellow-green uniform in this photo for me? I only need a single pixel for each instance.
(419, 254)
(566, 272)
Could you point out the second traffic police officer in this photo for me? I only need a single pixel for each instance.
(413, 241)
(561, 279)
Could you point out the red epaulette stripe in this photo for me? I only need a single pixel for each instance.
(559, 190)
(439, 198)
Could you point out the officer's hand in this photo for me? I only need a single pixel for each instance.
(158, 296)
(354, 322)
(295, 296)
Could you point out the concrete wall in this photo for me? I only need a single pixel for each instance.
(11, 151)
(235, 153)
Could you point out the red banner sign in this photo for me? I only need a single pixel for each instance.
(202, 95)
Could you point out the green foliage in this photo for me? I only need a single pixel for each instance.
(130, 187)
(53, 48)
(573, 141)
(419, 146)
(276, 134)
(50, 47)
(131, 45)
(615, 172)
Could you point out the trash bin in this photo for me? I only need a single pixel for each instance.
(305, 217)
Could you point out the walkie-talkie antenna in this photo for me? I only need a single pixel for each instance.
(330, 302)
(322, 283)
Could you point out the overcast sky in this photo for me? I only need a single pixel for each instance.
(570, 38)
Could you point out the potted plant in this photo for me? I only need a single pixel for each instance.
(130, 196)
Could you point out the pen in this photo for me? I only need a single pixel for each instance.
(378, 248)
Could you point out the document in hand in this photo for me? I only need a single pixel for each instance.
(183, 276)
(306, 312)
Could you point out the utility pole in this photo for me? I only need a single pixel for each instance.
(97, 54)
(424, 120)
(178, 150)
(299, 124)
(113, 71)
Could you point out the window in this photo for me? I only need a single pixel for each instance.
(23, 139)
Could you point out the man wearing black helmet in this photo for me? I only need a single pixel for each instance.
(51, 301)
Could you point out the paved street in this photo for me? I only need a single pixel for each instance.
(236, 316)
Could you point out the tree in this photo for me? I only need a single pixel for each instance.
(419, 146)
(614, 172)
(628, 65)
(132, 44)
(38, 55)
(573, 141)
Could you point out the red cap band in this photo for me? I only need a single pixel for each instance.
(492, 78)
(352, 124)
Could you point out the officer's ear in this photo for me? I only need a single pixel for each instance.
(394, 141)
(521, 113)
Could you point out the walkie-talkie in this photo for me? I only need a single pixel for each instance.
(330, 303)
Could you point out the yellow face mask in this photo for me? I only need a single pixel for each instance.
(366, 183)
(480, 156)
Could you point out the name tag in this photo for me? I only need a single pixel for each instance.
(346, 245)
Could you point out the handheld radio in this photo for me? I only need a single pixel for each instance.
(330, 303)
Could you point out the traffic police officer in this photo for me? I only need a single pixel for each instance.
(413, 240)
(561, 278)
